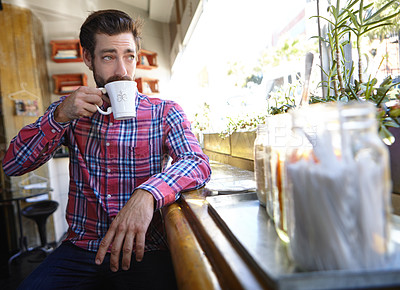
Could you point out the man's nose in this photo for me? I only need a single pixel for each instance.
(121, 68)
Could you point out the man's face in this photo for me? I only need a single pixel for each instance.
(114, 58)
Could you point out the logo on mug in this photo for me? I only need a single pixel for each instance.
(121, 96)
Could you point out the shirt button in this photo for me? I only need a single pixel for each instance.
(111, 124)
(107, 144)
(53, 131)
(108, 170)
(108, 195)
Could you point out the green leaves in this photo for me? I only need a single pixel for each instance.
(356, 19)
(394, 113)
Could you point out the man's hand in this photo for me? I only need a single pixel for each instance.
(128, 228)
(81, 103)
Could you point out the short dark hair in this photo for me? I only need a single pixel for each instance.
(110, 22)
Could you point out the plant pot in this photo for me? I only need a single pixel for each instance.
(213, 142)
(242, 144)
(236, 150)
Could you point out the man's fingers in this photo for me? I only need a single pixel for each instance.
(116, 250)
(90, 108)
(81, 103)
(128, 230)
(93, 99)
(104, 244)
(140, 241)
(127, 251)
(106, 99)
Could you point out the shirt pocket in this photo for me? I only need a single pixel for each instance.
(141, 163)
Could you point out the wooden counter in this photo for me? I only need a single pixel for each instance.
(206, 257)
(200, 250)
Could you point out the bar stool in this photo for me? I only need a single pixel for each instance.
(39, 212)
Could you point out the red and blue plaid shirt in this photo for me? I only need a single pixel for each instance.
(109, 159)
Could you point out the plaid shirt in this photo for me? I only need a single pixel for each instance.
(109, 159)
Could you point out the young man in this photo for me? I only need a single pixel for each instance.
(117, 180)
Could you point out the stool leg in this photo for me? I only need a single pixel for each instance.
(41, 223)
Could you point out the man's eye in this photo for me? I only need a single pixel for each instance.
(132, 57)
(107, 57)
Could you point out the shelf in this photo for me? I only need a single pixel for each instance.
(147, 86)
(146, 60)
(67, 83)
(66, 51)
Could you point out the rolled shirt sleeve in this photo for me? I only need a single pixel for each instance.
(190, 167)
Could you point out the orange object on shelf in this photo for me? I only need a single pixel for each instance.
(147, 86)
(66, 50)
(146, 60)
(67, 83)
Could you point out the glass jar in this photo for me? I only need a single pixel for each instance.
(338, 188)
(279, 129)
(261, 157)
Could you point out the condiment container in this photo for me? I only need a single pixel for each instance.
(261, 161)
(338, 194)
(279, 129)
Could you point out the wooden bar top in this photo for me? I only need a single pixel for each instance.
(200, 250)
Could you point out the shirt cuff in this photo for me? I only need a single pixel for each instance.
(161, 191)
(50, 127)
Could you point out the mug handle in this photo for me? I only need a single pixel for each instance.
(109, 109)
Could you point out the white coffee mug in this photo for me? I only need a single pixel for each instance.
(122, 95)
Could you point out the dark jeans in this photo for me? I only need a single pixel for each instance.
(70, 267)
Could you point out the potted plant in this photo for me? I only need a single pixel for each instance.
(357, 20)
